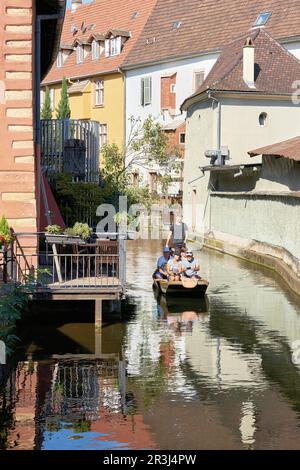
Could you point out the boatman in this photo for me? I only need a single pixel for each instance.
(161, 268)
(178, 233)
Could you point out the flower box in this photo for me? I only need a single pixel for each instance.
(64, 239)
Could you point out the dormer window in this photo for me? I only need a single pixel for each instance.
(115, 46)
(95, 50)
(79, 54)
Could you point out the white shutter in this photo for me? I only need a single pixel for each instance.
(107, 46)
(148, 90)
(118, 45)
(198, 79)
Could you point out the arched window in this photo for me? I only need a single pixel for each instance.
(263, 119)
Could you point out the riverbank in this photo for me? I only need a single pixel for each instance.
(275, 258)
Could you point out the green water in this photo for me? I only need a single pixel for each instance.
(221, 373)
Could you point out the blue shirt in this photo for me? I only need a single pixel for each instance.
(162, 262)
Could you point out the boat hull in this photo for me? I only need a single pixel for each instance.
(176, 288)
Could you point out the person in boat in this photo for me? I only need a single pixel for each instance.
(190, 266)
(161, 267)
(174, 267)
(178, 233)
(183, 252)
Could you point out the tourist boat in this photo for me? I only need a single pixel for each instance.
(184, 288)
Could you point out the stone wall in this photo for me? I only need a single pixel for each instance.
(17, 162)
(260, 227)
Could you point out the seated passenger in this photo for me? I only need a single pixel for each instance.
(191, 266)
(161, 268)
(174, 267)
(183, 253)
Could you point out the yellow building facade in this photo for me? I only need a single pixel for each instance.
(83, 104)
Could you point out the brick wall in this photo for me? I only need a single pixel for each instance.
(17, 163)
(174, 138)
(168, 98)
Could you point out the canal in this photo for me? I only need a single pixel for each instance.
(223, 373)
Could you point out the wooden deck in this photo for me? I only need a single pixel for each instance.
(87, 282)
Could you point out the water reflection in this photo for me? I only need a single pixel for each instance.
(218, 373)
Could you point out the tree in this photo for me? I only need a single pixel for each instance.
(147, 147)
(46, 112)
(63, 110)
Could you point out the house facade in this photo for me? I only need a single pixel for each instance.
(180, 44)
(21, 68)
(246, 206)
(95, 41)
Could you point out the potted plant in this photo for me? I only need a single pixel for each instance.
(6, 236)
(78, 235)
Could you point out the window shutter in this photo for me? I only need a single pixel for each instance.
(119, 45)
(142, 91)
(148, 90)
(198, 79)
(107, 45)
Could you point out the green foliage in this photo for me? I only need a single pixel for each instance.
(147, 147)
(79, 201)
(70, 232)
(5, 233)
(46, 111)
(82, 230)
(12, 302)
(54, 229)
(63, 110)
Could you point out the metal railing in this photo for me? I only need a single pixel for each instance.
(97, 265)
(71, 146)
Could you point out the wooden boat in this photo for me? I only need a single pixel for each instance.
(186, 287)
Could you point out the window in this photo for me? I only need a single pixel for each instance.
(135, 15)
(95, 50)
(173, 88)
(115, 47)
(146, 91)
(79, 54)
(153, 181)
(182, 138)
(263, 117)
(99, 93)
(52, 98)
(135, 179)
(42, 97)
(103, 134)
(262, 18)
(176, 24)
(59, 61)
(198, 79)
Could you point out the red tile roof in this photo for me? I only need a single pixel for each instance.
(207, 25)
(287, 149)
(105, 16)
(276, 69)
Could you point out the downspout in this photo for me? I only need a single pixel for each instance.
(124, 104)
(213, 98)
(219, 130)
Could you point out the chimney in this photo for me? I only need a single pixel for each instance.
(248, 63)
(76, 4)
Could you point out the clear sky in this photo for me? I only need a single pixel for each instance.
(83, 1)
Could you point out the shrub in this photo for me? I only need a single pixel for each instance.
(5, 233)
(54, 229)
(82, 230)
